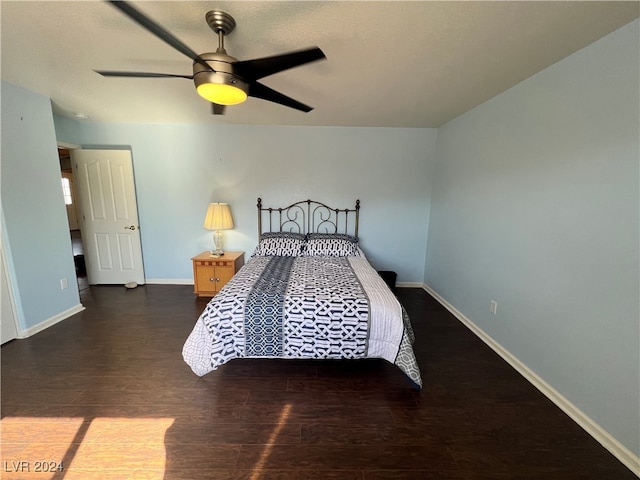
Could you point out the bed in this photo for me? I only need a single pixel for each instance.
(307, 291)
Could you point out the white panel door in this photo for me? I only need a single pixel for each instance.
(109, 216)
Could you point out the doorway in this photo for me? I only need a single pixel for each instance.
(71, 203)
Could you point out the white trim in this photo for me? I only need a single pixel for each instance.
(409, 284)
(622, 453)
(51, 321)
(69, 146)
(170, 281)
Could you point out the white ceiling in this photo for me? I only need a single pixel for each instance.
(392, 64)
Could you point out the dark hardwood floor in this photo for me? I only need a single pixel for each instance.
(106, 393)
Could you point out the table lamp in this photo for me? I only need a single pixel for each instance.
(218, 218)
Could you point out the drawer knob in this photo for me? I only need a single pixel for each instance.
(214, 279)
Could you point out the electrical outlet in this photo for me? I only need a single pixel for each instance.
(493, 307)
(64, 283)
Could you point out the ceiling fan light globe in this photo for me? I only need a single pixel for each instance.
(221, 94)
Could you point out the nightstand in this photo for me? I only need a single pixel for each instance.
(210, 274)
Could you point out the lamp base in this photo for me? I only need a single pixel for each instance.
(217, 241)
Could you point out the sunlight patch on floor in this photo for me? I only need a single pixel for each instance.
(282, 421)
(75, 448)
(35, 447)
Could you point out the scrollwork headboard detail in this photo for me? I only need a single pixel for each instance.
(308, 216)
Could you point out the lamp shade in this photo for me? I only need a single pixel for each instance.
(218, 217)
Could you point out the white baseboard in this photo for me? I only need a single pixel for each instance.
(409, 284)
(51, 321)
(169, 281)
(622, 453)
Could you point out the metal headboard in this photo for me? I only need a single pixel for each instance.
(309, 216)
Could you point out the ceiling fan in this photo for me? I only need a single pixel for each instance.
(219, 78)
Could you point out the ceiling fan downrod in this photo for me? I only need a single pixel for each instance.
(221, 43)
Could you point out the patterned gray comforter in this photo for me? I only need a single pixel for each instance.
(303, 307)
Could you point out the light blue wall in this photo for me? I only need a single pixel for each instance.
(179, 169)
(35, 217)
(535, 204)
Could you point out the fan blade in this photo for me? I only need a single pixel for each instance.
(259, 90)
(262, 67)
(217, 109)
(111, 73)
(158, 31)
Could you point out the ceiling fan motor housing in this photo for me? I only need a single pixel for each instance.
(221, 74)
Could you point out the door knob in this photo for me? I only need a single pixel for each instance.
(130, 227)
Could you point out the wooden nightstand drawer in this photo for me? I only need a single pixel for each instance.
(210, 274)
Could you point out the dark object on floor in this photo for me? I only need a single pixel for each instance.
(81, 268)
(390, 279)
